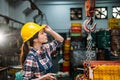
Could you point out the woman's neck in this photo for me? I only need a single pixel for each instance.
(38, 46)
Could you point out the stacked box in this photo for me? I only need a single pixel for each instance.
(66, 55)
(106, 72)
(76, 29)
(113, 23)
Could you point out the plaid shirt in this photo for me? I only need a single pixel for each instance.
(31, 67)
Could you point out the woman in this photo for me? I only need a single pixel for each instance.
(36, 52)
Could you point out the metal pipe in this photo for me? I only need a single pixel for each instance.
(33, 6)
(11, 19)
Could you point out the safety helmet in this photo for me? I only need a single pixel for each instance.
(29, 29)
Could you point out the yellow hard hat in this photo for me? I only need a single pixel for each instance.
(29, 29)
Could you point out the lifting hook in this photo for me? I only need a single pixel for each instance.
(88, 25)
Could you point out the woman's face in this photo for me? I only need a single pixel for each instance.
(42, 36)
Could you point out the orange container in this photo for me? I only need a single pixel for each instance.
(76, 24)
(76, 29)
(66, 56)
(66, 68)
(66, 63)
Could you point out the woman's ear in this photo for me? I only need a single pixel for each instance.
(35, 40)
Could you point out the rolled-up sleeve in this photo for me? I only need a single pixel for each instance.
(52, 46)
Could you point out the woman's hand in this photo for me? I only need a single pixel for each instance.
(48, 29)
(54, 34)
(49, 76)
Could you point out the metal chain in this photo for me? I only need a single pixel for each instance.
(89, 55)
(90, 6)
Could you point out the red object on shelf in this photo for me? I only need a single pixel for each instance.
(76, 29)
(66, 68)
(67, 41)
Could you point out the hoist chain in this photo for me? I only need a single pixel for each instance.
(89, 8)
(89, 55)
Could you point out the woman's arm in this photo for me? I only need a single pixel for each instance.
(54, 34)
(49, 76)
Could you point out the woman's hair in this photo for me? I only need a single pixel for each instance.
(25, 49)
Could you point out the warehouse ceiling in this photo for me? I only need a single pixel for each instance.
(71, 1)
(62, 1)
(75, 0)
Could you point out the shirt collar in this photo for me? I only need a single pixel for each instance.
(35, 51)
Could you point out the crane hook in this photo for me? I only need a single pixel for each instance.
(88, 25)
